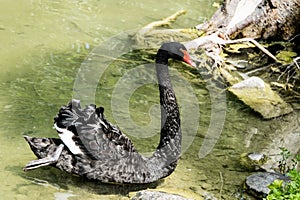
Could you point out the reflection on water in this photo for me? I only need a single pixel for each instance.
(38, 27)
(43, 45)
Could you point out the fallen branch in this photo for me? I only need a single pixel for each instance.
(164, 22)
(215, 39)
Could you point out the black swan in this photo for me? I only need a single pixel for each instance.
(91, 147)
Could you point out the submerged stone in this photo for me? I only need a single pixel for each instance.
(255, 93)
(253, 161)
(157, 195)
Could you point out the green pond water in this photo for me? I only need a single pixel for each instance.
(46, 46)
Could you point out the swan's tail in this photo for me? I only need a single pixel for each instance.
(47, 150)
(42, 146)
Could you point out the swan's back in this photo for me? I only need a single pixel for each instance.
(99, 150)
(86, 131)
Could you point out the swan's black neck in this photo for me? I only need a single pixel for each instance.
(168, 150)
(170, 117)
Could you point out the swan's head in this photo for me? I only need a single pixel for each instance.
(176, 51)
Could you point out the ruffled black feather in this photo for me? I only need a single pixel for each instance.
(99, 137)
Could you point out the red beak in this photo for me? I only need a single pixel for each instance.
(187, 58)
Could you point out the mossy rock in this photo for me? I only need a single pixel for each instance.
(258, 95)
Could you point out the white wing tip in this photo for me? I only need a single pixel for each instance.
(67, 137)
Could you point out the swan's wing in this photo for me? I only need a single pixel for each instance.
(86, 131)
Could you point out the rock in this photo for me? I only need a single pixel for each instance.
(206, 186)
(257, 184)
(255, 93)
(253, 161)
(288, 136)
(252, 82)
(157, 195)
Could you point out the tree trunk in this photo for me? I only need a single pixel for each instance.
(259, 19)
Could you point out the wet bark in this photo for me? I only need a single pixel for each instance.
(259, 19)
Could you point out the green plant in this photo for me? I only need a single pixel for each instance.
(280, 190)
(285, 191)
(285, 156)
